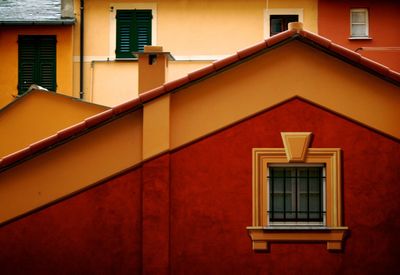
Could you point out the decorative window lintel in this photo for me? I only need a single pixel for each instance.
(296, 151)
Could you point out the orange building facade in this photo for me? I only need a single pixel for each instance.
(181, 179)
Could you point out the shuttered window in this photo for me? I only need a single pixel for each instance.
(36, 62)
(133, 31)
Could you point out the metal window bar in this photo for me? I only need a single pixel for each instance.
(296, 211)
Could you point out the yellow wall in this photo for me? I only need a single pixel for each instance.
(199, 31)
(38, 115)
(9, 50)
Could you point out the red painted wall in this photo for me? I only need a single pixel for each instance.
(334, 23)
(211, 199)
(187, 212)
(95, 232)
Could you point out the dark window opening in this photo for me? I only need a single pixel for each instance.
(296, 194)
(279, 23)
(36, 62)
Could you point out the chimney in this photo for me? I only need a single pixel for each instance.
(297, 26)
(67, 9)
(153, 65)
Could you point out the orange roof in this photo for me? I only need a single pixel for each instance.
(313, 39)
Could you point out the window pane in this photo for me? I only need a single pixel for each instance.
(296, 194)
(276, 26)
(358, 30)
(314, 185)
(359, 17)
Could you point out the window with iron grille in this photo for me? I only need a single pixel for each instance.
(296, 194)
(36, 62)
(133, 31)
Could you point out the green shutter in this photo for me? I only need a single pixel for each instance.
(26, 62)
(47, 63)
(36, 62)
(143, 29)
(133, 31)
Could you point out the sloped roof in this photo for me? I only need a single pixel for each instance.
(23, 12)
(320, 42)
(38, 114)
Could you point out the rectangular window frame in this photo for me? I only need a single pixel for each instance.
(113, 25)
(296, 151)
(42, 61)
(298, 223)
(366, 23)
(269, 12)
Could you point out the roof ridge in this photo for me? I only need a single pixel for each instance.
(215, 67)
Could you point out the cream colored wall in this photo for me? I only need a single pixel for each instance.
(199, 31)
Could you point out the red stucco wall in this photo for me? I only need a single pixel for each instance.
(211, 199)
(191, 212)
(95, 232)
(334, 23)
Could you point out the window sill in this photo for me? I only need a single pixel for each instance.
(127, 59)
(262, 236)
(360, 38)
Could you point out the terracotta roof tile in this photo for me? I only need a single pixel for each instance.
(149, 95)
(320, 40)
(394, 75)
(378, 67)
(98, 118)
(126, 106)
(203, 72)
(41, 144)
(15, 156)
(72, 130)
(171, 85)
(252, 50)
(345, 52)
(279, 37)
(219, 64)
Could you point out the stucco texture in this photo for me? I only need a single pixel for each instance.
(191, 216)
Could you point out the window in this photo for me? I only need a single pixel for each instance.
(277, 20)
(296, 194)
(359, 23)
(36, 62)
(279, 23)
(134, 31)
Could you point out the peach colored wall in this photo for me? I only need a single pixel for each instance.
(211, 29)
(9, 69)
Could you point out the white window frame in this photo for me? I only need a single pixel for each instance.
(113, 22)
(269, 12)
(293, 224)
(365, 10)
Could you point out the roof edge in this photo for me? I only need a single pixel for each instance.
(217, 66)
